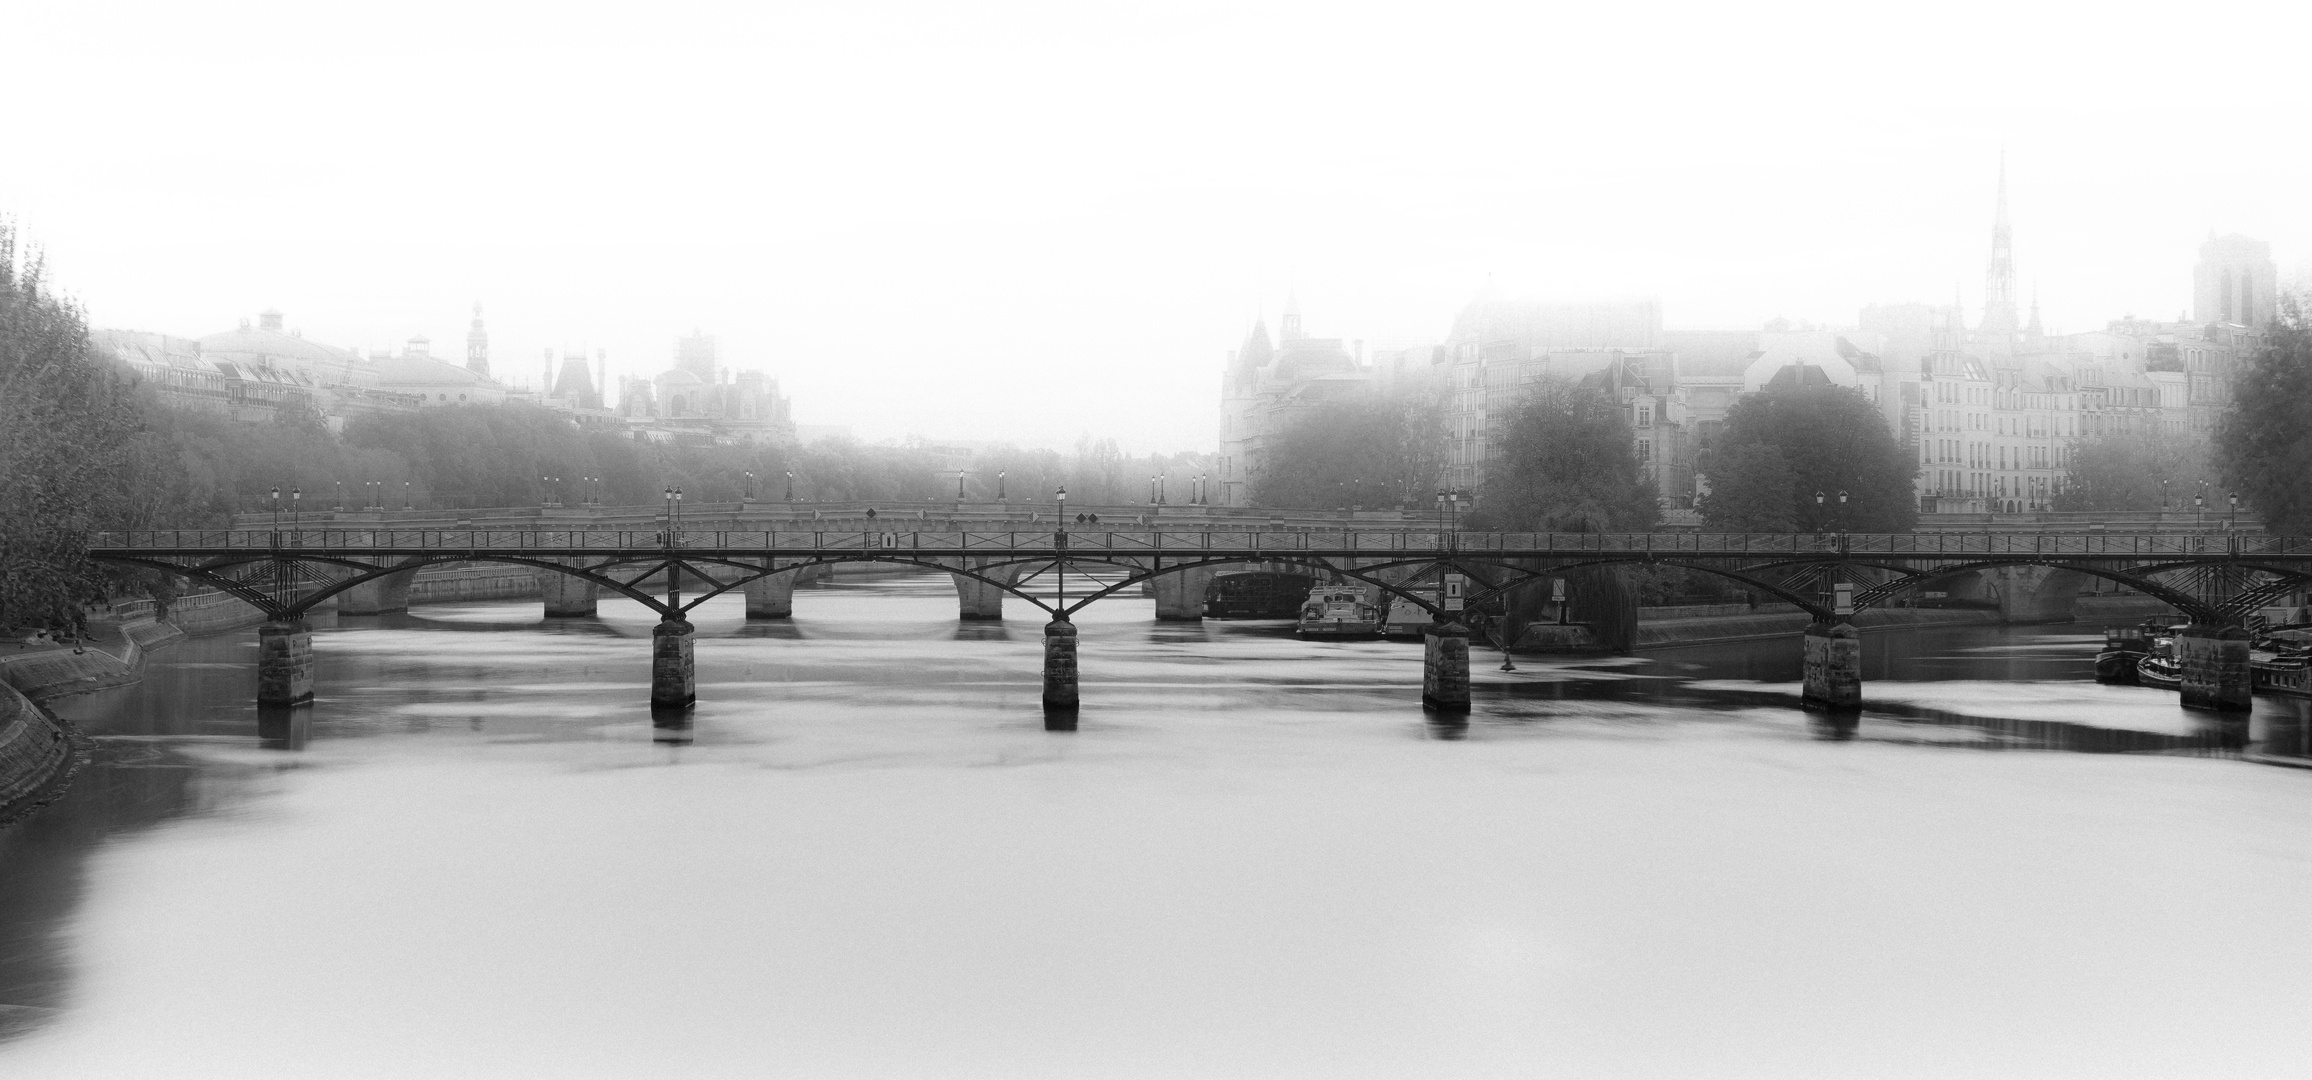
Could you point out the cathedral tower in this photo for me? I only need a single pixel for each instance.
(2235, 282)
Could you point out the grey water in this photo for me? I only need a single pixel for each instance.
(481, 752)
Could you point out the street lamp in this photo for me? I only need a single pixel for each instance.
(2235, 523)
(999, 486)
(1151, 489)
(790, 485)
(2199, 506)
(276, 510)
(405, 503)
(750, 485)
(1060, 556)
(340, 497)
(296, 496)
(1842, 509)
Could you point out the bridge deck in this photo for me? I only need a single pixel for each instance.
(1096, 541)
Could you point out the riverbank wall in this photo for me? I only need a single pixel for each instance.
(36, 754)
(40, 751)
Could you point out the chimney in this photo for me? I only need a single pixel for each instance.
(269, 319)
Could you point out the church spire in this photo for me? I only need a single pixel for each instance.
(1999, 280)
(478, 345)
(2034, 329)
(1289, 327)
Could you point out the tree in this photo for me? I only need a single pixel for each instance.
(1567, 460)
(73, 450)
(1830, 439)
(1752, 489)
(2125, 472)
(2264, 446)
(1365, 449)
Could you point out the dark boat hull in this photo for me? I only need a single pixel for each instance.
(2117, 666)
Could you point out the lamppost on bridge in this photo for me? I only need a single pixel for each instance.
(1151, 489)
(2163, 495)
(750, 474)
(406, 504)
(2235, 522)
(790, 485)
(296, 499)
(1060, 545)
(1842, 510)
(276, 516)
(959, 485)
(2199, 510)
(999, 485)
(340, 497)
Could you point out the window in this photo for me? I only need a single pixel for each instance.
(1645, 449)
(1645, 416)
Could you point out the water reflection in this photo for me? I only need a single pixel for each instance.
(284, 728)
(870, 679)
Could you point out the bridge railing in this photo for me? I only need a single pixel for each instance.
(1133, 541)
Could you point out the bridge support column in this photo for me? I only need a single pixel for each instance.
(672, 674)
(377, 596)
(2216, 672)
(1445, 668)
(1180, 594)
(978, 600)
(1060, 699)
(1833, 668)
(284, 665)
(567, 597)
(772, 597)
(2035, 594)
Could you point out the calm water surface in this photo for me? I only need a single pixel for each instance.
(476, 855)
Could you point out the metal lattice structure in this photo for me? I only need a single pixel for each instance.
(2211, 577)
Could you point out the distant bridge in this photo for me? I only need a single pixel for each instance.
(2215, 579)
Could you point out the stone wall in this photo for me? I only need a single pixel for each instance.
(33, 749)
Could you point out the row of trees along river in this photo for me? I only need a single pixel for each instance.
(84, 448)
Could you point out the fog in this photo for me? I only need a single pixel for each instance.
(1026, 222)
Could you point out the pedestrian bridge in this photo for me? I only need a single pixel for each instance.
(2214, 579)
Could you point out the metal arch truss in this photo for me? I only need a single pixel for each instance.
(286, 572)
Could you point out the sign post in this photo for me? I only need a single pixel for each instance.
(1455, 586)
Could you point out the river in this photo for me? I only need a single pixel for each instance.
(475, 855)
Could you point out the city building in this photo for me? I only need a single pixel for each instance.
(417, 375)
(185, 378)
(1266, 385)
(699, 401)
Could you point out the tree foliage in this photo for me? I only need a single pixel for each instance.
(1567, 460)
(74, 456)
(1375, 449)
(1752, 489)
(2264, 448)
(1829, 439)
(2126, 472)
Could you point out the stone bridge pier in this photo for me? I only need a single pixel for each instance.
(377, 596)
(566, 597)
(1180, 594)
(773, 597)
(978, 600)
(2034, 594)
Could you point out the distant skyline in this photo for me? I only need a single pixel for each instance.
(1026, 222)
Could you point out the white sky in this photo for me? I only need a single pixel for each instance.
(1024, 222)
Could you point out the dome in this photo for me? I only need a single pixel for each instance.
(407, 370)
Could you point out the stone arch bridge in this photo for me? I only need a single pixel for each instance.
(2214, 580)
